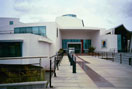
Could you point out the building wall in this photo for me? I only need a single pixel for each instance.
(50, 30)
(94, 36)
(6, 27)
(95, 40)
(30, 47)
(111, 43)
(58, 39)
(77, 34)
(67, 21)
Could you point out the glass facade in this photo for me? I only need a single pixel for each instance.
(37, 30)
(119, 42)
(85, 44)
(10, 49)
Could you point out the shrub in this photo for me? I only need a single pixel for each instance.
(91, 49)
(61, 51)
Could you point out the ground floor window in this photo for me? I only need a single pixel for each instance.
(10, 49)
(80, 45)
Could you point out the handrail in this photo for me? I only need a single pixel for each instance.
(55, 55)
(9, 58)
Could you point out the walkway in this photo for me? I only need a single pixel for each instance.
(93, 73)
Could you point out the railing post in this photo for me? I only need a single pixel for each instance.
(130, 61)
(102, 55)
(113, 56)
(120, 58)
(71, 59)
(106, 55)
(57, 62)
(55, 67)
(74, 64)
(50, 73)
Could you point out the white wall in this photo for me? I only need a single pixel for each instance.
(76, 34)
(67, 21)
(95, 40)
(6, 27)
(59, 40)
(83, 34)
(111, 43)
(31, 46)
(50, 32)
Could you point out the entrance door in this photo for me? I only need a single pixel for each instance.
(76, 46)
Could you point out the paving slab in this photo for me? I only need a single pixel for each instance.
(67, 80)
(117, 74)
(104, 73)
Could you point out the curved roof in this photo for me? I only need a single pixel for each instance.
(121, 29)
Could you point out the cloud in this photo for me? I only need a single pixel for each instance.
(96, 13)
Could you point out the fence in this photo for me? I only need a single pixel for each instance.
(122, 58)
(55, 61)
(72, 60)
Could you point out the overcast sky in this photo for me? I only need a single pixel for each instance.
(95, 13)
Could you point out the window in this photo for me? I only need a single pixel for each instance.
(11, 23)
(42, 31)
(37, 30)
(10, 49)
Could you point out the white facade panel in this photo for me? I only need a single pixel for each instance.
(111, 43)
(67, 21)
(31, 47)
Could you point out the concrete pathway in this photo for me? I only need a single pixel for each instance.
(101, 74)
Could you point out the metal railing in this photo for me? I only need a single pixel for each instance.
(72, 60)
(20, 72)
(125, 58)
(103, 55)
(28, 58)
(53, 64)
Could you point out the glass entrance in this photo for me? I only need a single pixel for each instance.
(76, 46)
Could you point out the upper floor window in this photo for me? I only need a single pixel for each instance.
(71, 15)
(11, 23)
(38, 30)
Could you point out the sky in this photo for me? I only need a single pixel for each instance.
(95, 13)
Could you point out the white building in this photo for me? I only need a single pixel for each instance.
(45, 39)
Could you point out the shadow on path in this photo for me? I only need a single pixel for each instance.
(97, 79)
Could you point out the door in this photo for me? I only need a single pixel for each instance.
(76, 46)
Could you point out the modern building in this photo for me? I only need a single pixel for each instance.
(45, 39)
